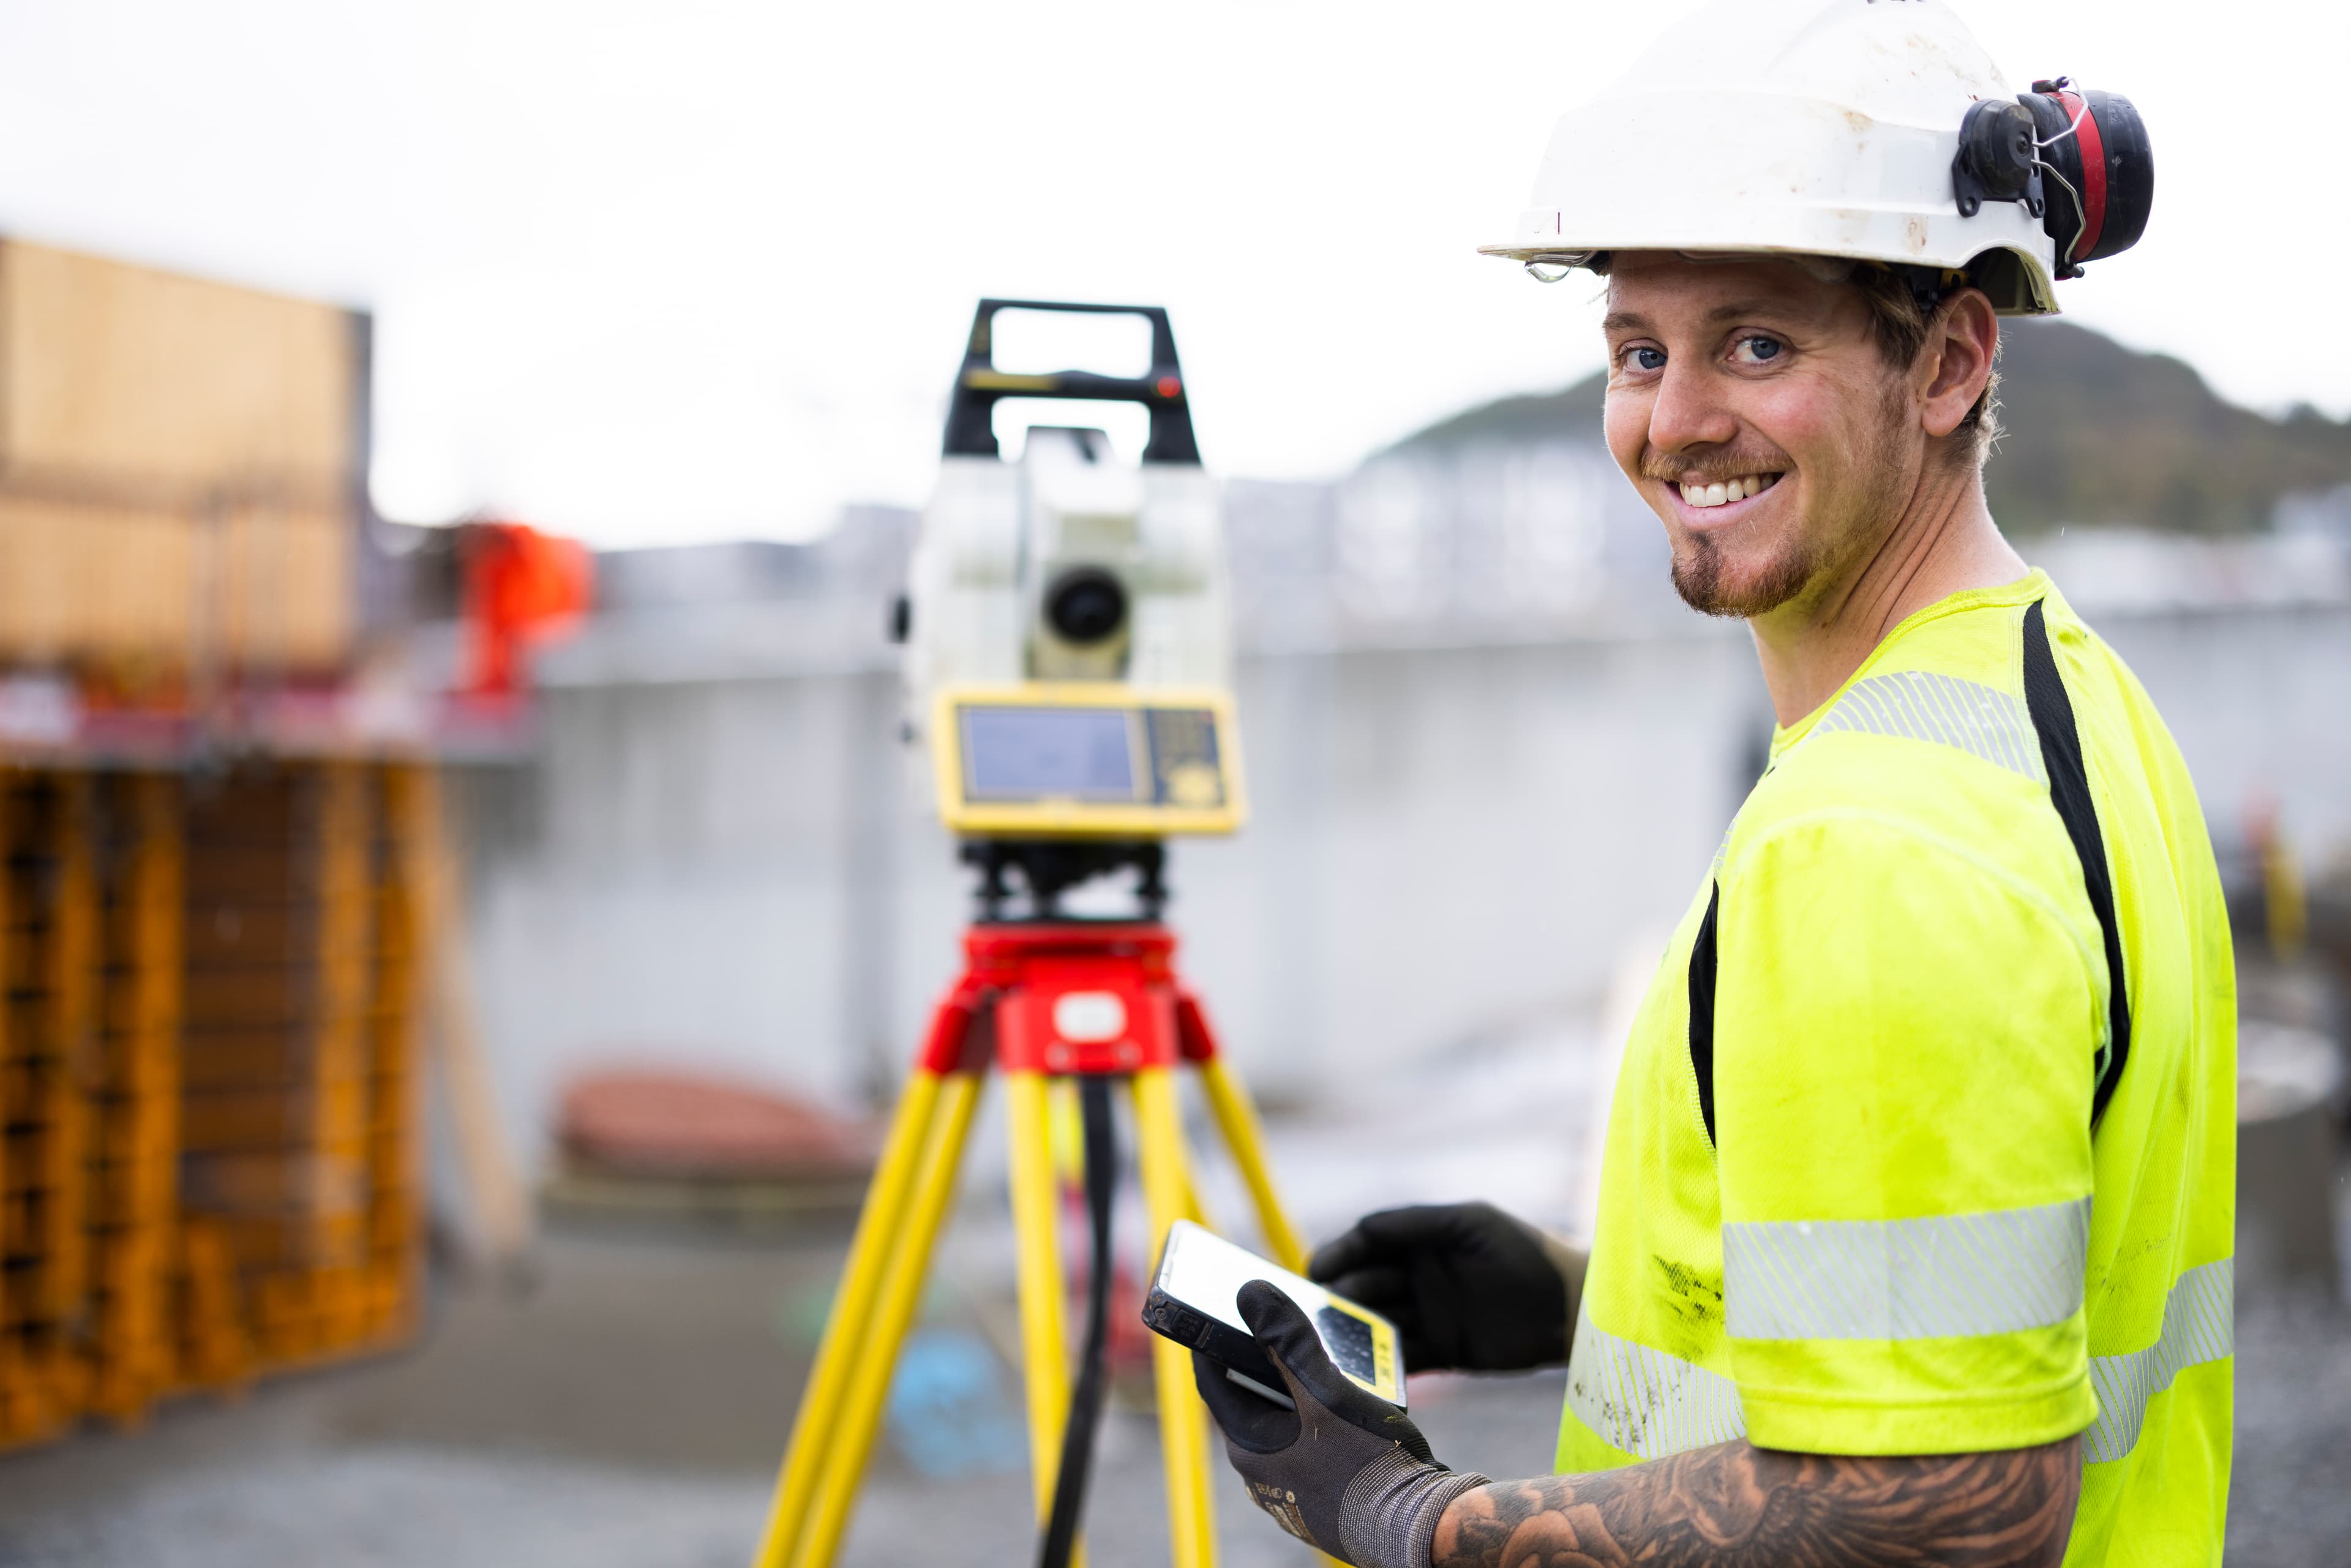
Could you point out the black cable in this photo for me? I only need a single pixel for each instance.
(1085, 1404)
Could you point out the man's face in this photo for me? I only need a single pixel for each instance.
(1750, 404)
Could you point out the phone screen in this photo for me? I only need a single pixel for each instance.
(1203, 1272)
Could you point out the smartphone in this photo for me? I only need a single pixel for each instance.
(1192, 1301)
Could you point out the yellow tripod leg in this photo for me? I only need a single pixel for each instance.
(867, 1387)
(1236, 1115)
(1183, 1420)
(1044, 1346)
(869, 1252)
(1237, 1118)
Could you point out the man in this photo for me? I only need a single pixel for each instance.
(1915, 1231)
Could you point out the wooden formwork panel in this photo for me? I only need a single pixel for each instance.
(275, 1181)
(180, 472)
(231, 1059)
(299, 1115)
(229, 932)
(208, 1135)
(411, 830)
(107, 368)
(152, 593)
(139, 1193)
(278, 1157)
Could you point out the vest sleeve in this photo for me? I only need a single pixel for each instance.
(1905, 1050)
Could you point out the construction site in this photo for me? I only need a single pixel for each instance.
(467, 973)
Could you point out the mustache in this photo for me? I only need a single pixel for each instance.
(1715, 467)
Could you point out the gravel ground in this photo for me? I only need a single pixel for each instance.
(554, 1427)
(410, 1506)
(2290, 1491)
(629, 1411)
(518, 1435)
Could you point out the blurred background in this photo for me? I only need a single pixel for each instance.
(465, 906)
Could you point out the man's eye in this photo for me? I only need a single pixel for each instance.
(1756, 350)
(1645, 359)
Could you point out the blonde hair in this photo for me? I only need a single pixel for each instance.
(1901, 321)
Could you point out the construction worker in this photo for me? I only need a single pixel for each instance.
(1914, 1241)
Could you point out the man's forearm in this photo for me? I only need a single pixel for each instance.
(1735, 1505)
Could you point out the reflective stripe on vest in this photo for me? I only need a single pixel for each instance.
(1921, 705)
(1650, 1404)
(1994, 1273)
(2199, 1325)
(1644, 1401)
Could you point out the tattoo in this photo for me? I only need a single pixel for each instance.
(1735, 1505)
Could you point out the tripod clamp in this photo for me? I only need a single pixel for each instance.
(1069, 1000)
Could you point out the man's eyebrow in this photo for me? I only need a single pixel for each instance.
(1622, 321)
(1745, 308)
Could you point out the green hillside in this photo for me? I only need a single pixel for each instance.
(2096, 433)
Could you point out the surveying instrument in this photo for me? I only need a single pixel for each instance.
(1067, 669)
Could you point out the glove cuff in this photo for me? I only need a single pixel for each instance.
(1572, 1263)
(1388, 1518)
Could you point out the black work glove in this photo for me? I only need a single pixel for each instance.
(1346, 1472)
(1469, 1288)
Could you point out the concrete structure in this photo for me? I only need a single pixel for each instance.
(1477, 779)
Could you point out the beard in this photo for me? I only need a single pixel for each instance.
(1698, 577)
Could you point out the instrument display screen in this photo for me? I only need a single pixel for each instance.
(1098, 761)
(1028, 753)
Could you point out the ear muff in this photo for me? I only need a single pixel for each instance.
(2098, 168)
(2079, 161)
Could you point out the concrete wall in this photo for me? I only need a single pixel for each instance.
(2259, 701)
(1445, 842)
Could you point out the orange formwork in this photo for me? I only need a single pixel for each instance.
(46, 1030)
(208, 1079)
(135, 1101)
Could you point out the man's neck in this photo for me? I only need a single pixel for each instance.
(1945, 542)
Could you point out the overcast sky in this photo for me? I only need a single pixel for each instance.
(688, 270)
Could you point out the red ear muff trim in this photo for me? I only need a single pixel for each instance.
(2084, 169)
(2094, 174)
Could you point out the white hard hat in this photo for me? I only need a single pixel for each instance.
(1790, 127)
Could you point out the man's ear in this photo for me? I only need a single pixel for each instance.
(1962, 344)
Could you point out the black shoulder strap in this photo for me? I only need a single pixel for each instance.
(2069, 790)
(1701, 1009)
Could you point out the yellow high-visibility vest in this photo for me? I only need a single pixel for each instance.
(1924, 1139)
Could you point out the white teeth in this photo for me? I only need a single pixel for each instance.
(1723, 492)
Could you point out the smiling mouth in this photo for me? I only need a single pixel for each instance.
(1722, 492)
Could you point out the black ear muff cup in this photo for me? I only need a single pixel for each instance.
(2130, 174)
(2096, 145)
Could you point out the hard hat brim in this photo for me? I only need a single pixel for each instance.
(2031, 293)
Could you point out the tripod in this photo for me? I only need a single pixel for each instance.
(1097, 1002)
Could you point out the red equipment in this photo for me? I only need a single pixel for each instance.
(520, 587)
(1030, 973)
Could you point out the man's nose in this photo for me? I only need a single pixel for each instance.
(1688, 413)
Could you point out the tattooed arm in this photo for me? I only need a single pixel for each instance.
(1735, 1505)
